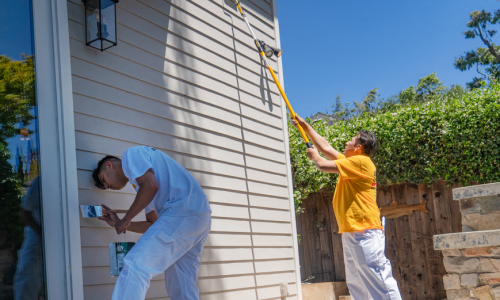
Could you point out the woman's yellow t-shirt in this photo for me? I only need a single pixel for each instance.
(354, 201)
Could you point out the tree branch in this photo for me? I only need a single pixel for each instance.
(477, 67)
(487, 43)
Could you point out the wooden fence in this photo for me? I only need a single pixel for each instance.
(417, 268)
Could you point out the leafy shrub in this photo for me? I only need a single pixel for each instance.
(455, 138)
(11, 227)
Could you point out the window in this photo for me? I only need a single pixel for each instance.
(21, 230)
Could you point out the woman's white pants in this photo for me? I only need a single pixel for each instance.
(172, 245)
(368, 271)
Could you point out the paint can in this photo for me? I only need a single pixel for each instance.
(117, 253)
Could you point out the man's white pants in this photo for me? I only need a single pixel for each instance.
(172, 245)
(368, 271)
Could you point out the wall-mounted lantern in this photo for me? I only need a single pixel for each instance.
(100, 23)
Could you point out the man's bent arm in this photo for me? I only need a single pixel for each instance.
(148, 188)
(319, 142)
(143, 226)
(147, 191)
(324, 165)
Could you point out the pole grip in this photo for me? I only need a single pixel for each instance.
(301, 130)
(309, 145)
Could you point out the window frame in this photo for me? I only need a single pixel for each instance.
(58, 170)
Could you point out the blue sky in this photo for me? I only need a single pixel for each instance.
(15, 29)
(341, 47)
(350, 47)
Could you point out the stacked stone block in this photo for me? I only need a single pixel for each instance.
(472, 273)
(480, 213)
(472, 257)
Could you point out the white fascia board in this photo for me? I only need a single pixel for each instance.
(58, 171)
(287, 154)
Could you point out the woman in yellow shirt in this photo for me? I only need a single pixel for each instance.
(368, 271)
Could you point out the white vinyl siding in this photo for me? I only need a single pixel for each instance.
(186, 79)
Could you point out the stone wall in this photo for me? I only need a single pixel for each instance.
(472, 273)
(472, 257)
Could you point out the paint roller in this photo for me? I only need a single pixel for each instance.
(268, 51)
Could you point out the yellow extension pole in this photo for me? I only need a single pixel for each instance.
(275, 78)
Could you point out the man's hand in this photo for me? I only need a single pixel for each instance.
(300, 121)
(328, 166)
(320, 142)
(312, 153)
(121, 226)
(109, 216)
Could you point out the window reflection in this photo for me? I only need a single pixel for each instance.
(21, 256)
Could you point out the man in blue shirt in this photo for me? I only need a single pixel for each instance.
(178, 219)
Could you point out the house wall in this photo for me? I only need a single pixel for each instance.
(185, 78)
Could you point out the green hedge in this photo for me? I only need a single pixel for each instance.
(455, 139)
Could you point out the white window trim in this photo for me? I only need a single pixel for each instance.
(59, 186)
(287, 154)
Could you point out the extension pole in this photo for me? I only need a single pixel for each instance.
(266, 63)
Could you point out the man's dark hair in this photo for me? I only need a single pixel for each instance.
(95, 173)
(368, 142)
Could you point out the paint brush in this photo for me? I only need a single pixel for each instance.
(94, 211)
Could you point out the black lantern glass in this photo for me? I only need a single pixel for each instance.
(100, 23)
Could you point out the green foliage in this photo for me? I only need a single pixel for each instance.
(17, 100)
(10, 200)
(428, 88)
(339, 110)
(478, 23)
(487, 65)
(485, 60)
(17, 94)
(368, 104)
(455, 136)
